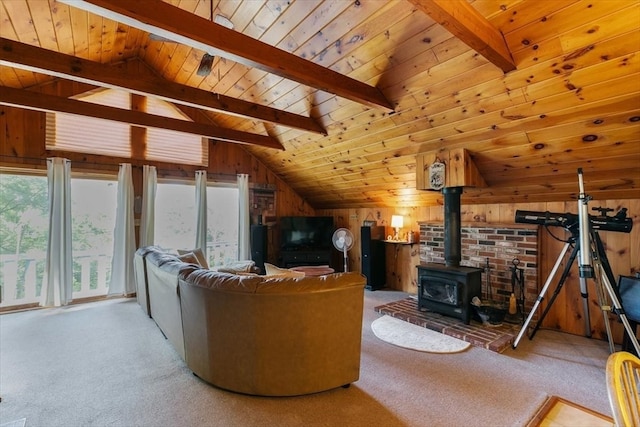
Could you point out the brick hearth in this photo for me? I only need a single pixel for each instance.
(494, 338)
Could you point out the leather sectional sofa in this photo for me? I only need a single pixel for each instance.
(259, 335)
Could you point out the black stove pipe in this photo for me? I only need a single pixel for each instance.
(452, 235)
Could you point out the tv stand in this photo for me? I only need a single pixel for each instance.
(298, 258)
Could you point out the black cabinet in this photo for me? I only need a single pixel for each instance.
(373, 256)
(290, 259)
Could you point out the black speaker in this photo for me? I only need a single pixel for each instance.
(259, 246)
(373, 256)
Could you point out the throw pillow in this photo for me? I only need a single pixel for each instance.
(239, 266)
(189, 257)
(202, 259)
(272, 270)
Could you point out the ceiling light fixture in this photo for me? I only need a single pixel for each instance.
(206, 65)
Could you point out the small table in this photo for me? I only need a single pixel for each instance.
(314, 270)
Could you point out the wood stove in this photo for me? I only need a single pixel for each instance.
(449, 288)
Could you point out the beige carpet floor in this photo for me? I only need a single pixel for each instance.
(107, 364)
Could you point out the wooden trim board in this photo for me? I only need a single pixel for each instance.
(559, 412)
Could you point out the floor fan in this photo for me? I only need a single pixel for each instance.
(343, 241)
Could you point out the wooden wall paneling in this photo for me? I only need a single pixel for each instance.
(94, 37)
(261, 27)
(399, 267)
(9, 77)
(511, 14)
(566, 313)
(559, 22)
(61, 18)
(79, 22)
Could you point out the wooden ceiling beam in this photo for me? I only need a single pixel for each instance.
(27, 57)
(468, 25)
(170, 22)
(41, 102)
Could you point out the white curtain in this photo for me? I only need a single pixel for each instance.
(124, 241)
(244, 240)
(201, 210)
(57, 286)
(147, 217)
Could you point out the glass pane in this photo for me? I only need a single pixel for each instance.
(93, 219)
(222, 225)
(175, 216)
(175, 226)
(23, 237)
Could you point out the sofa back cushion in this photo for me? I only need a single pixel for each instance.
(219, 281)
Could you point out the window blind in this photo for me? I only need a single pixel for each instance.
(81, 134)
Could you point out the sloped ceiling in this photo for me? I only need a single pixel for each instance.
(338, 97)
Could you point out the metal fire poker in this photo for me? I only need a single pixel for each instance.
(592, 253)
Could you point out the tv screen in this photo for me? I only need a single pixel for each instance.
(306, 232)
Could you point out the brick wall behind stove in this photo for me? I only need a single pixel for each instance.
(500, 245)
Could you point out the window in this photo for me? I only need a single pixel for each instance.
(175, 216)
(24, 225)
(93, 220)
(223, 213)
(24, 228)
(168, 145)
(81, 134)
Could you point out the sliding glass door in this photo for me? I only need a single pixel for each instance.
(24, 227)
(93, 219)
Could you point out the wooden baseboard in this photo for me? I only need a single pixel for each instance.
(559, 412)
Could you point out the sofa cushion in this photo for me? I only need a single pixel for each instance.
(203, 278)
(189, 257)
(238, 267)
(274, 271)
(202, 259)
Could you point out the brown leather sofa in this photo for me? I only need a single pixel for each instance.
(257, 335)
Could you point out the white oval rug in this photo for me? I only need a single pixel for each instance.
(414, 337)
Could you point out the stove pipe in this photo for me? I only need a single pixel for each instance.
(452, 238)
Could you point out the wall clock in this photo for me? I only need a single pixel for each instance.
(436, 175)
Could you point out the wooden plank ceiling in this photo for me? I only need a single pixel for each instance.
(337, 97)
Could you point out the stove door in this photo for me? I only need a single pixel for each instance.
(442, 290)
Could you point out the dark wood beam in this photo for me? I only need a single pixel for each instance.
(164, 20)
(468, 25)
(41, 102)
(27, 57)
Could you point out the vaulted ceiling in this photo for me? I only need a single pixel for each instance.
(338, 97)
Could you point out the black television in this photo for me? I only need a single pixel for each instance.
(306, 233)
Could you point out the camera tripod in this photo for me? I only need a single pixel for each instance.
(587, 244)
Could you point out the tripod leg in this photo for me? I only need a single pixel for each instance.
(565, 274)
(602, 263)
(604, 304)
(541, 295)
